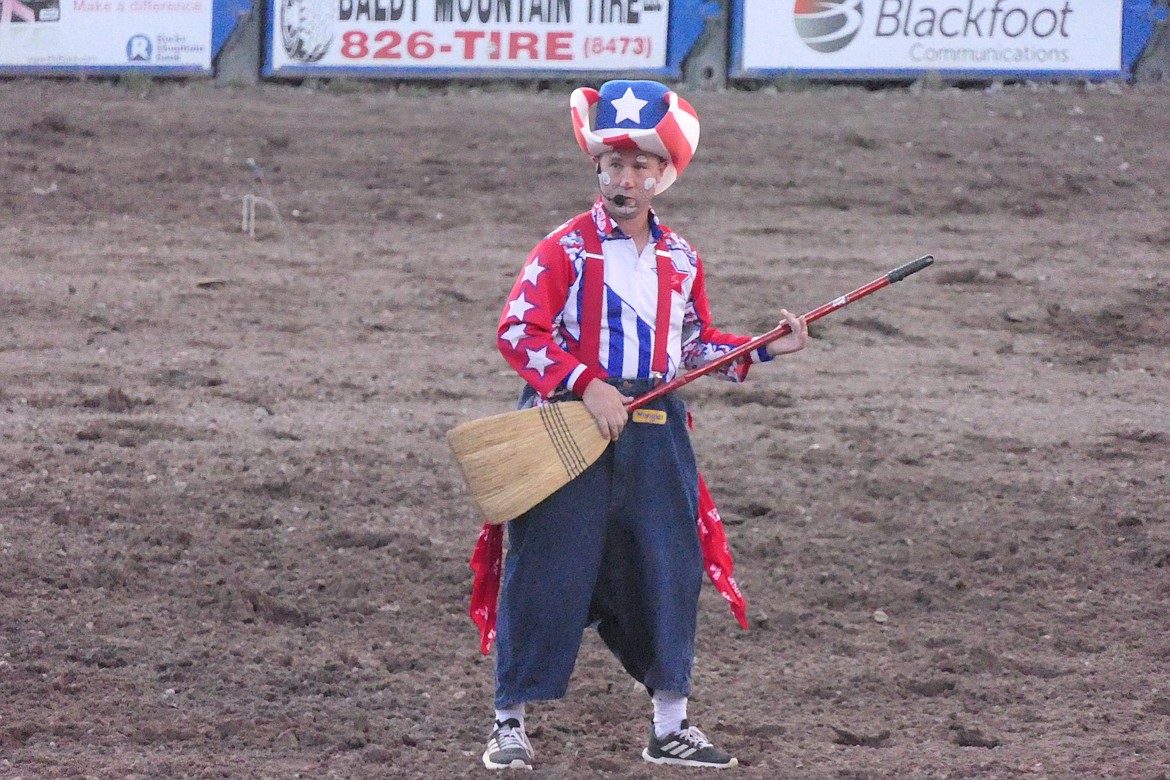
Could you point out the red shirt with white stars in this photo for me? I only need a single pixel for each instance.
(540, 330)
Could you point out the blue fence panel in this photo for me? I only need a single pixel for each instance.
(226, 16)
(1137, 29)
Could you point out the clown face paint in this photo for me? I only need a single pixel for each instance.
(627, 179)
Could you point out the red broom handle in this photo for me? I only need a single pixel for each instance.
(896, 275)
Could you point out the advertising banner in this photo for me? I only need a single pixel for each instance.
(882, 37)
(96, 35)
(456, 36)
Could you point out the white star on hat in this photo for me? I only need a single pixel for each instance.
(629, 106)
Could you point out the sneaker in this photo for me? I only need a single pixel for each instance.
(686, 747)
(508, 747)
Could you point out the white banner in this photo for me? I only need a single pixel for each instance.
(932, 35)
(106, 33)
(470, 34)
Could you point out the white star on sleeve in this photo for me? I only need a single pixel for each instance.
(538, 360)
(514, 333)
(532, 271)
(519, 307)
(629, 106)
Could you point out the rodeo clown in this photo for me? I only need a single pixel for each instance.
(607, 306)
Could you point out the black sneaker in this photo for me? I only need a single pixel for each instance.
(686, 747)
(508, 747)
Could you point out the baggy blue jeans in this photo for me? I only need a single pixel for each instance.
(618, 546)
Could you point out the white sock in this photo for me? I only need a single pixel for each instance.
(670, 710)
(515, 711)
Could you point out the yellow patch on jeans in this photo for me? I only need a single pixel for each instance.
(654, 416)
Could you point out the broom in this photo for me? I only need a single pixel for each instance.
(513, 461)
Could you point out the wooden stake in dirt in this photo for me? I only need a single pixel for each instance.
(513, 461)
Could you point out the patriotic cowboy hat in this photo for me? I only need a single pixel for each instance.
(641, 115)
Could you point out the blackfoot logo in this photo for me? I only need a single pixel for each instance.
(827, 25)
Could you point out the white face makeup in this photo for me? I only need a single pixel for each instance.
(627, 179)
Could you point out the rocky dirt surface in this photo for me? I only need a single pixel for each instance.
(233, 542)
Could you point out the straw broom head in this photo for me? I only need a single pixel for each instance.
(515, 460)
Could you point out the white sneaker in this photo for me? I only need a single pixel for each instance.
(686, 747)
(508, 747)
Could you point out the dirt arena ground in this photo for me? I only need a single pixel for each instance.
(233, 543)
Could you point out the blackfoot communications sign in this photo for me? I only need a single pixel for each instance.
(914, 36)
(462, 35)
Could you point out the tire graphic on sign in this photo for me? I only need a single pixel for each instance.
(827, 25)
(306, 27)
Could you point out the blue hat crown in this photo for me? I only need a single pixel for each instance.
(631, 105)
